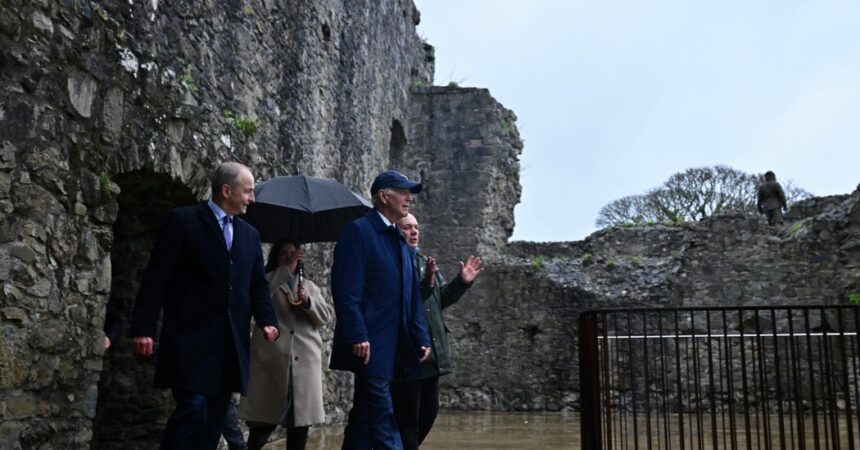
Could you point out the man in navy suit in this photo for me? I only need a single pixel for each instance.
(380, 321)
(206, 272)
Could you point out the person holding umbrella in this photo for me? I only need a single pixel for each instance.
(285, 384)
(380, 320)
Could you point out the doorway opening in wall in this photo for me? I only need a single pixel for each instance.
(398, 141)
(131, 413)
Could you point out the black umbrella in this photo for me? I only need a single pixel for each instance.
(304, 209)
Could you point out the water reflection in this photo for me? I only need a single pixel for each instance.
(555, 431)
(477, 430)
(499, 430)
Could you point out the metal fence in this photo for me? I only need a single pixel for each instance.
(721, 378)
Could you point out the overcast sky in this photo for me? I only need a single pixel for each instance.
(614, 96)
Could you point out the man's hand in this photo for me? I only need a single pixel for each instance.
(430, 275)
(426, 352)
(271, 333)
(107, 343)
(362, 350)
(143, 345)
(470, 269)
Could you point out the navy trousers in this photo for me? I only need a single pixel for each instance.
(232, 433)
(371, 419)
(196, 422)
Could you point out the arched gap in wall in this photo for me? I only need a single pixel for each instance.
(131, 413)
(397, 144)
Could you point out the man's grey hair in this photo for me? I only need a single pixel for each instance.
(375, 199)
(226, 173)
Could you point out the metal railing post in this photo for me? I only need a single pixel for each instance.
(589, 381)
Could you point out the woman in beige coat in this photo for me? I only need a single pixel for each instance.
(285, 384)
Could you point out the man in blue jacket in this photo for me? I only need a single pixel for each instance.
(206, 272)
(380, 322)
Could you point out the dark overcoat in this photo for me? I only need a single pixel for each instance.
(208, 295)
(377, 299)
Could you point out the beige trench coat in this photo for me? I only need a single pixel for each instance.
(299, 344)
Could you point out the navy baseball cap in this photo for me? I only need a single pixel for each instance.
(395, 179)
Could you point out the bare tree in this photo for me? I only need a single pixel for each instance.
(691, 195)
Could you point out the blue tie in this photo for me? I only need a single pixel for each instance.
(228, 232)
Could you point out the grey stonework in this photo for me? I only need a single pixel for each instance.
(513, 335)
(464, 146)
(114, 112)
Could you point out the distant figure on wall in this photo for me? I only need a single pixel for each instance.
(771, 199)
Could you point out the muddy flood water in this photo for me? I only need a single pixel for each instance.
(551, 431)
(477, 430)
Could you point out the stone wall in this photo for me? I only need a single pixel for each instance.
(114, 112)
(145, 98)
(465, 147)
(514, 334)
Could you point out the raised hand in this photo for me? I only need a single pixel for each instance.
(470, 270)
(430, 275)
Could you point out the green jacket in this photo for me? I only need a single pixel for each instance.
(436, 298)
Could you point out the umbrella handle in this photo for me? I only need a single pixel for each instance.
(295, 300)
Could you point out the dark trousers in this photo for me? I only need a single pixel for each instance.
(774, 216)
(196, 422)
(371, 419)
(232, 432)
(258, 436)
(416, 404)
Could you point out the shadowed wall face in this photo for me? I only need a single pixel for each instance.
(131, 413)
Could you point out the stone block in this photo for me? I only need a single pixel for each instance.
(82, 91)
(14, 314)
(112, 116)
(20, 406)
(22, 252)
(7, 155)
(43, 23)
(51, 336)
(13, 360)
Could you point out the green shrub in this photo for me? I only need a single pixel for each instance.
(104, 180)
(854, 298)
(538, 262)
(245, 125)
(188, 82)
(795, 227)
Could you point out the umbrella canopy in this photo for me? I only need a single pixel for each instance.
(302, 208)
